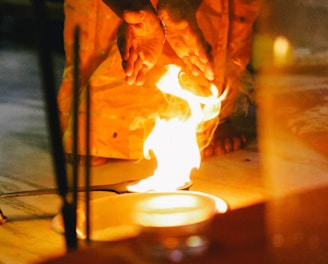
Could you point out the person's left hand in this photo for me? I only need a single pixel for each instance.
(140, 41)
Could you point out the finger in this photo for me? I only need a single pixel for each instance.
(141, 77)
(197, 66)
(131, 60)
(131, 79)
(195, 60)
(193, 68)
(206, 61)
(125, 53)
(209, 72)
(149, 59)
(206, 58)
(138, 64)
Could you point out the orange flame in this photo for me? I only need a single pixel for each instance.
(174, 141)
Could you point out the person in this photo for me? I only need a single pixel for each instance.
(124, 47)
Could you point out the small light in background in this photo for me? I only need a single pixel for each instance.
(282, 51)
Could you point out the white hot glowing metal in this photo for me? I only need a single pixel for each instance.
(174, 141)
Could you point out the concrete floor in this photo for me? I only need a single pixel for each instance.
(289, 154)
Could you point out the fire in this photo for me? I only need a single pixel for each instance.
(174, 141)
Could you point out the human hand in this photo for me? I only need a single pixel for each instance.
(188, 42)
(140, 41)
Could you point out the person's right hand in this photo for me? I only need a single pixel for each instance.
(140, 41)
(188, 42)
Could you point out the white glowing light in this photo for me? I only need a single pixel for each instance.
(281, 50)
(174, 209)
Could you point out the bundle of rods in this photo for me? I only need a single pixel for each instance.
(67, 193)
(69, 204)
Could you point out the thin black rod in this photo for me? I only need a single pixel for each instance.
(49, 90)
(87, 162)
(50, 95)
(49, 191)
(75, 117)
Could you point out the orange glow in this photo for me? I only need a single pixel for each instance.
(152, 209)
(174, 209)
(281, 51)
(174, 141)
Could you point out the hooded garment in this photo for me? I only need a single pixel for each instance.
(122, 115)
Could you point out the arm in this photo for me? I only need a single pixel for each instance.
(119, 6)
(180, 9)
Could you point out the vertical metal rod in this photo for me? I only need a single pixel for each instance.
(87, 163)
(75, 117)
(49, 90)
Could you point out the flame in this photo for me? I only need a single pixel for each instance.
(174, 141)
